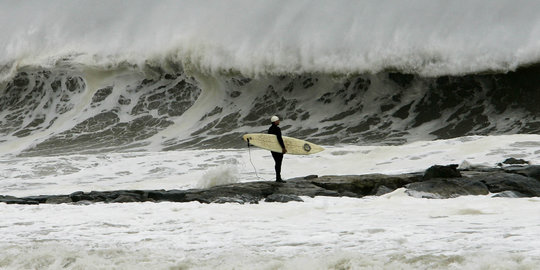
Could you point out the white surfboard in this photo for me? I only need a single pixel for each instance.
(294, 146)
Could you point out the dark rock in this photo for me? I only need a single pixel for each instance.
(208, 197)
(439, 171)
(300, 187)
(228, 200)
(58, 200)
(39, 199)
(3, 197)
(499, 182)
(364, 185)
(514, 161)
(170, 196)
(347, 194)
(80, 196)
(125, 199)
(509, 194)
(529, 171)
(21, 201)
(83, 202)
(507, 182)
(283, 198)
(251, 192)
(445, 188)
(381, 190)
(15, 200)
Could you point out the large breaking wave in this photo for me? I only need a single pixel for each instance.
(91, 77)
(61, 110)
(259, 37)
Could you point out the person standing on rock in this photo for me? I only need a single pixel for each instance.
(278, 157)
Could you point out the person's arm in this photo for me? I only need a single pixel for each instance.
(280, 140)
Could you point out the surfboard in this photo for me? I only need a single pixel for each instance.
(294, 146)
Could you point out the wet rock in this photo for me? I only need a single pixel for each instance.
(38, 199)
(440, 171)
(83, 202)
(532, 171)
(364, 185)
(381, 190)
(251, 191)
(228, 200)
(300, 187)
(438, 182)
(283, 198)
(499, 182)
(509, 194)
(58, 200)
(515, 161)
(125, 199)
(170, 196)
(80, 196)
(445, 188)
(15, 200)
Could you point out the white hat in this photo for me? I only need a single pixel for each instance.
(274, 119)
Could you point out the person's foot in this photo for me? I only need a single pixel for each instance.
(280, 180)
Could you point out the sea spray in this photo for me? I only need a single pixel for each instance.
(221, 175)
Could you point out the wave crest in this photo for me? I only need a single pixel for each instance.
(263, 38)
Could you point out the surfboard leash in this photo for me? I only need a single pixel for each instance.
(249, 150)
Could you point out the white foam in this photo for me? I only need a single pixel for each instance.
(224, 174)
(401, 232)
(278, 36)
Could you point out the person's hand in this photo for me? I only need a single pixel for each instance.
(283, 150)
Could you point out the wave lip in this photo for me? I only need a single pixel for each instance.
(343, 37)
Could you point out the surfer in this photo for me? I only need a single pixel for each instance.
(278, 157)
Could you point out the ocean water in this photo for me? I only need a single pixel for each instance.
(111, 95)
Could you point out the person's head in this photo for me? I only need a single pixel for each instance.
(275, 120)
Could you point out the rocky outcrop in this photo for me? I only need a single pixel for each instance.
(441, 188)
(447, 182)
(500, 182)
(364, 185)
(438, 182)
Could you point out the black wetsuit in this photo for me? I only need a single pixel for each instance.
(278, 157)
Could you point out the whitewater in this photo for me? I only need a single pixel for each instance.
(114, 95)
(258, 37)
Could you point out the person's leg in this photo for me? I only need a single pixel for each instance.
(278, 158)
(278, 166)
